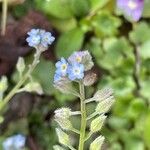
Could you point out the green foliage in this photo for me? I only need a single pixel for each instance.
(69, 42)
(95, 25)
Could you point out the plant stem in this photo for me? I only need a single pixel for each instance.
(22, 80)
(4, 16)
(83, 117)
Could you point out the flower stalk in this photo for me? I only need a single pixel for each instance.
(73, 70)
(4, 16)
(83, 117)
(22, 80)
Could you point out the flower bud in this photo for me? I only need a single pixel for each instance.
(3, 84)
(87, 60)
(1, 119)
(101, 95)
(33, 87)
(64, 86)
(105, 105)
(97, 123)
(62, 137)
(57, 147)
(64, 123)
(89, 79)
(97, 143)
(20, 65)
(63, 113)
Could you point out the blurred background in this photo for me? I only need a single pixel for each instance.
(120, 50)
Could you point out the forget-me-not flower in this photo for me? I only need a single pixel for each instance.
(75, 71)
(39, 38)
(16, 142)
(62, 67)
(76, 57)
(132, 9)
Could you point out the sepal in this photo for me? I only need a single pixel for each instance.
(64, 123)
(32, 87)
(97, 123)
(57, 147)
(63, 113)
(65, 86)
(97, 143)
(105, 105)
(89, 79)
(103, 94)
(63, 137)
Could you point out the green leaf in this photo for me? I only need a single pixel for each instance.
(145, 89)
(64, 25)
(145, 50)
(79, 7)
(105, 24)
(44, 73)
(146, 127)
(97, 4)
(57, 8)
(143, 29)
(136, 109)
(146, 12)
(69, 42)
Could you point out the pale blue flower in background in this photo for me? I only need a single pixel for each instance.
(39, 37)
(75, 71)
(132, 9)
(16, 142)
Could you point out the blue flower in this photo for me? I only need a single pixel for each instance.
(75, 71)
(47, 39)
(62, 67)
(16, 142)
(57, 77)
(76, 57)
(132, 9)
(39, 38)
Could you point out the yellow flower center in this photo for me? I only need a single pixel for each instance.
(77, 71)
(78, 59)
(132, 4)
(64, 67)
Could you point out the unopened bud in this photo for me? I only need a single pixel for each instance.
(97, 143)
(1, 119)
(20, 65)
(33, 87)
(62, 137)
(64, 86)
(105, 105)
(103, 94)
(87, 61)
(57, 147)
(3, 84)
(63, 113)
(64, 123)
(97, 123)
(89, 79)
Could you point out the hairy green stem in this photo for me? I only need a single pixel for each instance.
(22, 80)
(4, 16)
(83, 117)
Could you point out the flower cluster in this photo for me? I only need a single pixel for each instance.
(74, 67)
(39, 38)
(16, 142)
(132, 9)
